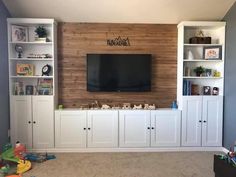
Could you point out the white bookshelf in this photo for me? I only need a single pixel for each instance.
(32, 113)
(186, 66)
(31, 46)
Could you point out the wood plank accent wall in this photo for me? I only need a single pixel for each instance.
(75, 40)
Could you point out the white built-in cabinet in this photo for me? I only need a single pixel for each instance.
(32, 110)
(202, 115)
(202, 121)
(32, 121)
(80, 129)
(145, 128)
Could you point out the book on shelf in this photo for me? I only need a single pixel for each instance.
(45, 86)
(187, 87)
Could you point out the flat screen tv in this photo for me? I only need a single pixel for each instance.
(119, 72)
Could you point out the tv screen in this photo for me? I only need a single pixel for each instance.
(119, 72)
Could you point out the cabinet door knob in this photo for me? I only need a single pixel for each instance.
(200, 121)
(204, 121)
(29, 122)
(84, 128)
(88, 128)
(148, 128)
(34, 122)
(152, 128)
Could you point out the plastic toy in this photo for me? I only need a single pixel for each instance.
(8, 155)
(19, 150)
(39, 157)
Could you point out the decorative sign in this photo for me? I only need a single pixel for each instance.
(118, 42)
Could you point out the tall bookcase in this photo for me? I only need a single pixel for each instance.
(200, 97)
(186, 65)
(33, 94)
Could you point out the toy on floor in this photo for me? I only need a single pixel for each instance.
(33, 157)
(19, 150)
(8, 155)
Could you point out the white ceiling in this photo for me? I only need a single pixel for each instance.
(121, 11)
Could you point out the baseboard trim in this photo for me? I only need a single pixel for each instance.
(90, 150)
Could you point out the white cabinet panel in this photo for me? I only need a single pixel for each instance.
(21, 120)
(43, 122)
(165, 128)
(212, 121)
(102, 128)
(191, 121)
(70, 129)
(134, 130)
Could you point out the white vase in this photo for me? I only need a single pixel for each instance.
(190, 55)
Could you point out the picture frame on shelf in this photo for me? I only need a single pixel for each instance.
(212, 52)
(19, 33)
(208, 72)
(206, 90)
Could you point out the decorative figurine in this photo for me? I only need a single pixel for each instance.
(138, 106)
(146, 106)
(152, 107)
(126, 106)
(105, 106)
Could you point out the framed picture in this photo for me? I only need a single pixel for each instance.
(19, 33)
(208, 72)
(212, 52)
(206, 90)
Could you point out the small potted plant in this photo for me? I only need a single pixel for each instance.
(41, 33)
(199, 70)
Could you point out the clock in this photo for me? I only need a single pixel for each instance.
(46, 70)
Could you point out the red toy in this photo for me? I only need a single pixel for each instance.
(19, 150)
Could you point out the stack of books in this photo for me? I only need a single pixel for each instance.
(187, 87)
(45, 87)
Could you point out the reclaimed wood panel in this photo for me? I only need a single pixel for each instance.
(75, 40)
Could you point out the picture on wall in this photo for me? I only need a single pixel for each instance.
(212, 52)
(19, 33)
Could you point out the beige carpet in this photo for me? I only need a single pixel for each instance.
(159, 164)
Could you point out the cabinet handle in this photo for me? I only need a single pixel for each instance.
(84, 128)
(148, 128)
(200, 121)
(88, 128)
(204, 121)
(29, 122)
(152, 128)
(34, 122)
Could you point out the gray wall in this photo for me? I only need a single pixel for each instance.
(4, 98)
(230, 79)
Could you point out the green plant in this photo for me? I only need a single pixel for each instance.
(41, 32)
(199, 70)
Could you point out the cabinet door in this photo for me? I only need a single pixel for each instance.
(21, 120)
(212, 116)
(191, 120)
(134, 130)
(165, 128)
(103, 128)
(43, 122)
(70, 129)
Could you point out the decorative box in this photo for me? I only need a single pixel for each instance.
(200, 40)
(24, 69)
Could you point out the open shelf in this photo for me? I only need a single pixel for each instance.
(31, 59)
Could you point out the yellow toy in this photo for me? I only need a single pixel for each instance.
(23, 166)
